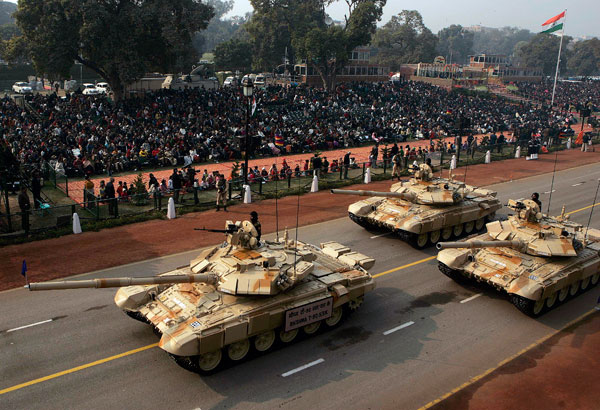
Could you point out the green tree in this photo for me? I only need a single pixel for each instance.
(404, 39)
(585, 58)
(327, 48)
(234, 55)
(119, 40)
(542, 51)
(140, 197)
(455, 43)
(499, 40)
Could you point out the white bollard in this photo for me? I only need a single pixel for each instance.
(171, 209)
(368, 176)
(453, 162)
(247, 195)
(76, 223)
(569, 142)
(488, 157)
(518, 152)
(315, 184)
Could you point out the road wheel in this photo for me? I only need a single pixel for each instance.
(457, 230)
(420, 241)
(530, 307)
(336, 317)
(480, 224)
(574, 288)
(264, 341)
(585, 282)
(446, 233)
(210, 361)
(563, 293)
(469, 226)
(354, 304)
(434, 236)
(551, 300)
(595, 279)
(238, 350)
(312, 328)
(288, 337)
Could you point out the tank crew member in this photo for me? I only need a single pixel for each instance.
(535, 197)
(254, 220)
(221, 186)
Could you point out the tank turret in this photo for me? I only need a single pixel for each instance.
(425, 209)
(538, 260)
(241, 293)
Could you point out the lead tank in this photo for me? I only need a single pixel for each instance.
(425, 209)
(539, 261)
(242, 295)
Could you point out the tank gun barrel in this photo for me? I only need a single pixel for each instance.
(478, 244)
(121, 282)
(401, 195)
(230, 229)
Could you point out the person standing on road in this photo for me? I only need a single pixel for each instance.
(346, 164)
(221, 186)
(396, 162)
(109, 192)
(25, 206)
(176, 179)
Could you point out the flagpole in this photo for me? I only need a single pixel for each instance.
(562, 33)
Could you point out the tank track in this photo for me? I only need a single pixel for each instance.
(453, 274)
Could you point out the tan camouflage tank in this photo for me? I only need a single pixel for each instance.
(539, 261)
(242, 296)
(425, 210)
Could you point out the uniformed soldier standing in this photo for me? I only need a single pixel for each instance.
(396, 161)
(221, 186)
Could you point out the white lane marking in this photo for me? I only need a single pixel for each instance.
(303, 367)
(407, 324)
(547, 192)
(597, 308)
(471, 298)
(577, 184)
(26, 326)
(379, 236)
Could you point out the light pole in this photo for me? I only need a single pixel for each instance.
(248, 88)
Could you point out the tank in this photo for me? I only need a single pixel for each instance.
(425, 209)
(538, 261)
(242, 296)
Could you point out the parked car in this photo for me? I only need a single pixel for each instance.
(260, 80)
(90, 89)
(22, 88)
(103, 87)
(229, 82)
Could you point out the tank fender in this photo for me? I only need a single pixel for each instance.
(454, 258)
(531, 290)
(132, 297)
(185, 344)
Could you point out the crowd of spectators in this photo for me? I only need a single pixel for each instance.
(569, 95)
(89, 135)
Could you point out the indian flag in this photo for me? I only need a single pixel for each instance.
(554, 24)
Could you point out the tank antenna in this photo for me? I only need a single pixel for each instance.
(592, 210)
(466, 169)
(276, 210)
(552, 184)
(297, 225)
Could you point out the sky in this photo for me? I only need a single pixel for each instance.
(582, 15)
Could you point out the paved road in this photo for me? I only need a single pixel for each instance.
(443, 344)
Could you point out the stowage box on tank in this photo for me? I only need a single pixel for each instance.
(425, 209)
(241, 296)
(539, 261)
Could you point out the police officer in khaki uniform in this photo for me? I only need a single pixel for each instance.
(221, 186)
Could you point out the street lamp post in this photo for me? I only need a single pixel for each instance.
(248, 87)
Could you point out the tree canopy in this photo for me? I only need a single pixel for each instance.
(585, 58)
(119, 40)
(542, 52)
(234, 54)
(403, 40)
(455, 43)
(499, 40)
